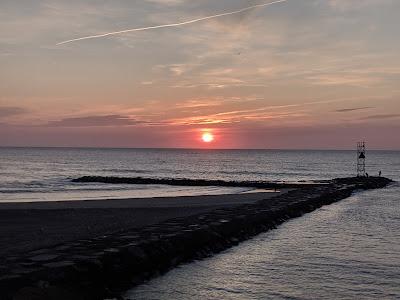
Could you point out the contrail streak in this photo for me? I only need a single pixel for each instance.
(173, 24)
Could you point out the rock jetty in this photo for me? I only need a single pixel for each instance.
(196, 182)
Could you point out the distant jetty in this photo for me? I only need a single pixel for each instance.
(198, 182)
(105, 266)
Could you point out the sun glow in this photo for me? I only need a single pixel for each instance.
(207, 137)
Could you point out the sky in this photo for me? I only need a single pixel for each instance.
(298, 74)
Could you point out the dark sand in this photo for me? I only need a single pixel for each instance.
(31, 226)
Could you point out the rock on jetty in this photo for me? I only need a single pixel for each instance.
(195, 182)
(105, 266)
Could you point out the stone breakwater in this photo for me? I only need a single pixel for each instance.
(194, 182)
(105, 266)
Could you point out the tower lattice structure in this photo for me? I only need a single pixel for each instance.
(361, 159)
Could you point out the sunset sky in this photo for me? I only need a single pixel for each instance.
(297, 74)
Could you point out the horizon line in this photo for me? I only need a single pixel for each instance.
(206, 149)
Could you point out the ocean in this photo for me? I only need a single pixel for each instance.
(347, 250)
(44, 174)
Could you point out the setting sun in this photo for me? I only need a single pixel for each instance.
(207, 137)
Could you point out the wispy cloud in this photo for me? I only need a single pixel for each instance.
(173, 24)
(288, 113)
(95, 121)
(344, 110)
(7, 111)
(382, 117)
(345, 5)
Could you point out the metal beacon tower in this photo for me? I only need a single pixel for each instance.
(361, 159)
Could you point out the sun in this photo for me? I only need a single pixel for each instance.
(207, 137)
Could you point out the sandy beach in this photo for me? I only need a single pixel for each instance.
(31, 226)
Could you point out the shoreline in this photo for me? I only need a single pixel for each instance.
(135, 202)
(105, 266)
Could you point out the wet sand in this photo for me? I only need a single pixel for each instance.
(30, 226)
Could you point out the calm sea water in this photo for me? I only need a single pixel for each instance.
(348, 250)
(37, 174)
